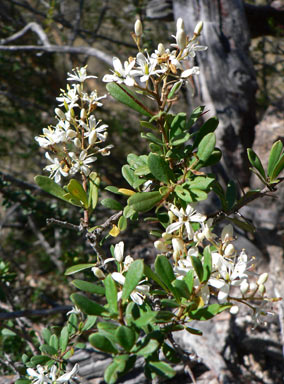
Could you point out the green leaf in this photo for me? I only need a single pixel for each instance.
(133, 277)
(278, 168)
(159, 168)
(89, 287)
(129, 175)
(63, 339)
(152, 138)
(189, 280)
(193, 331)
(102, 343)
(122, 223)
(54, 342)
(208, 127)
(183, 193)
(41, 360)
(175, 88)
(170, 354)
(207, 313)
(165, 271)
(201, 182)
(169, 303)
(197, 112)
(244, 225)
(180, 139)
(113, 189)
(125, 337)
(94, 182)
(144, 201)
(197, 265)
(128, 212)
(274, 156)
(162, 368)
(182, 289)
(23, 381)
(152, 275)
(111, 373)
(214, 158)
(206, 147)
(46, 334)
(207, 264)
(148, 349)
(47, 349)
(112, 204)
(89, 323)
(121, 93)
(231, 194)
(255, 162)
(111, 294)
(78, 268)
(49, 186)
(145, 319)
(87, 306)
(77, 191)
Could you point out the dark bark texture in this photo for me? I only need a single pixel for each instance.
(227, 83)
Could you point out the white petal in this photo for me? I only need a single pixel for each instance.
(118, 277)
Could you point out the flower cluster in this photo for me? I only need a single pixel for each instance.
(229, 269)
(76, 138)
(43, 375)
(161, 63)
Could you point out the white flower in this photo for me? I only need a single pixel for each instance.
(38, 375)
(189, 72)
(94, 130)
(81, 163)
(66, 377)
(146, 67)
(118, 253)
(230, 275)
(139, 293)
(121, 74)
(74, 310)
(70, 97)
(80, 74)
(55, 169)
(93, 98)
(184, 219)
(192, 47)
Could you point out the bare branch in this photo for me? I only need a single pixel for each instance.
(64, 224)
(35, 312)
(35, 27)
(60, 49)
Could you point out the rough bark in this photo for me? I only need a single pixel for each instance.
(227, 84)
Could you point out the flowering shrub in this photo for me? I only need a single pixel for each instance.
(197, 272)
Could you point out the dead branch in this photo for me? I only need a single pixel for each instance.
(35, 312)
(33, 26)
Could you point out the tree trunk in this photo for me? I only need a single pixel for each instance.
(227, 83)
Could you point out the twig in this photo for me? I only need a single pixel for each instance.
(35, 27)
(45, 244)
(35, 312)
(60, 49)
(64, 224)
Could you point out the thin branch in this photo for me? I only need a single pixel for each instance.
(64, 224)
(35, 312)
(19, 183)
(60, 49)
(35, 27)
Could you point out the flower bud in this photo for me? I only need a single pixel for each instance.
(60, 114)
(93, 137)
(261, 289)
(229, 250)
(77, 143)
(176, 256)
(253, 287)
(262, 278)
(138, 29)
(244, 287)
(98, 273)
(198, 28)
(171, 216)
(178, 245)
(71, 134)
(161, 48)
(166, 236)
(160, 246)
(83, 114)
(180, 24)
(118, 251)
(181, 39)
(234, 310)
(227, 233)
